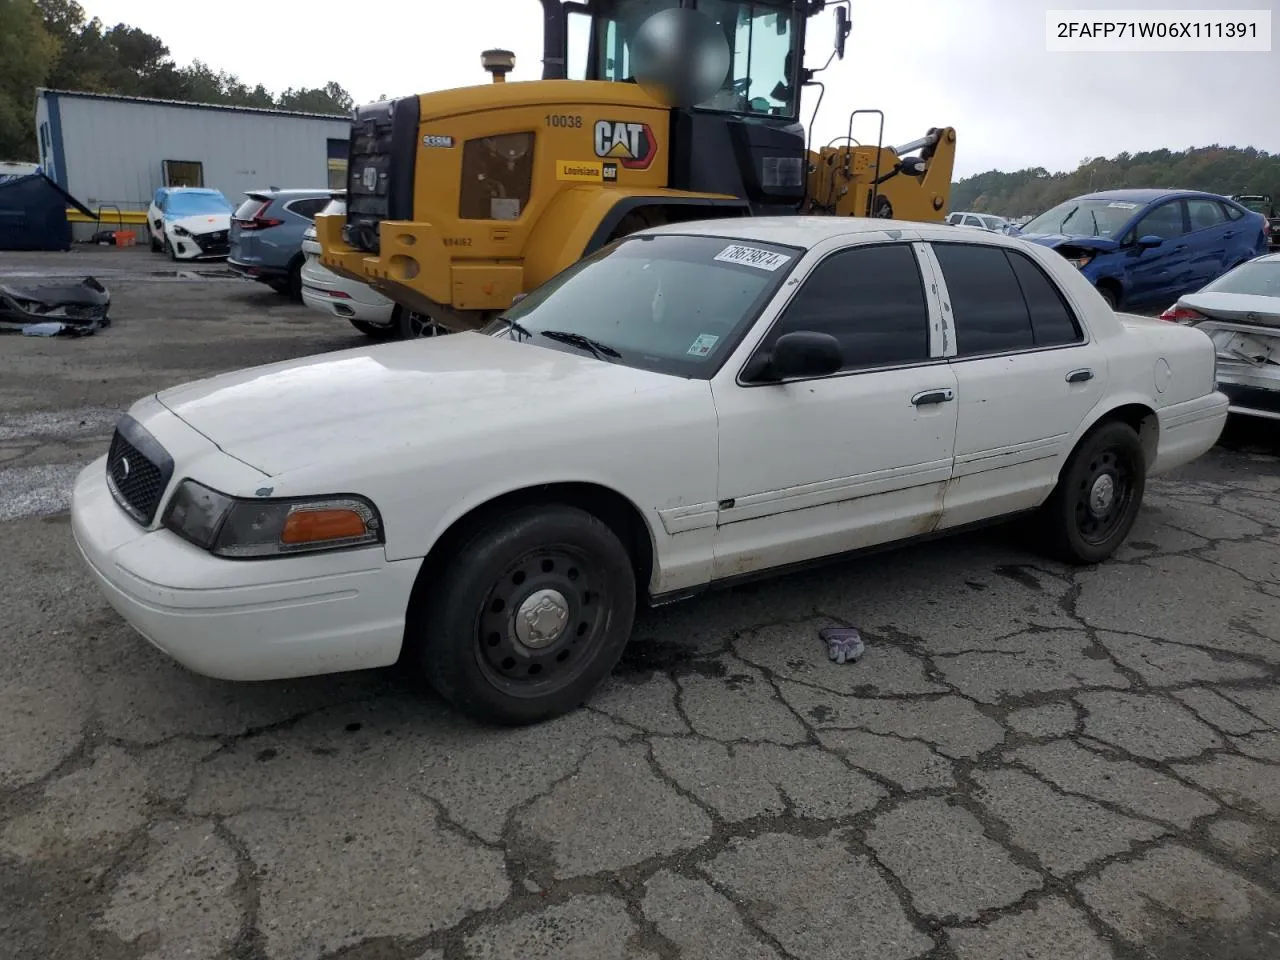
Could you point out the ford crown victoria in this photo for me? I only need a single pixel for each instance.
(693, 404)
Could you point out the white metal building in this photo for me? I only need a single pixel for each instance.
(108, 150)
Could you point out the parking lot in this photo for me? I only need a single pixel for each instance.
(1030, 763)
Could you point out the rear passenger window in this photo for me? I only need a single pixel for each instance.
(987, 305)
(308, 208)
(1052, 323)
(871, 299)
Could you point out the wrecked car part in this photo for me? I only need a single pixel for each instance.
(81, 308)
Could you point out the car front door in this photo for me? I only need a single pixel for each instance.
(1026, 376)
(811, 467)
(1153, 273)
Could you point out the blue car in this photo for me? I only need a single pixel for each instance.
(1142, 247)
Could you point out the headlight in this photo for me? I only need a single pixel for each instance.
(234, 528)
(182, 231)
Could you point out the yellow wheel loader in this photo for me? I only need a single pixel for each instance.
(459, 201)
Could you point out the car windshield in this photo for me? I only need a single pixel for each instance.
(1085, 218)
(1261, 278)
(763, 42)
(193, 204)
(668, 303)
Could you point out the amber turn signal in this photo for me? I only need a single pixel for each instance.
(315, 526)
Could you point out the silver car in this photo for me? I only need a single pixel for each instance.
(1240, 311)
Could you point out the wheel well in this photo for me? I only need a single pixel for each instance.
(1113, 285)
(1144, 422)
(609, 506)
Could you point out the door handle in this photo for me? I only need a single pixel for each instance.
(1229, 234)
(1079, 376)
(1181, 246)
(941, 395)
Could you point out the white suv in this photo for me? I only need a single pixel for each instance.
(368, 311)
(983, 221)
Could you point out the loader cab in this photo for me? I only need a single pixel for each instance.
(745, 139)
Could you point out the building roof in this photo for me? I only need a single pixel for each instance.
(191, 104)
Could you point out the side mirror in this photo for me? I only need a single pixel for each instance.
(1147, 241)
(804, 353)
(842, 30)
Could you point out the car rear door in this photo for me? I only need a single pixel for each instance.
(823, 465)
(1207, 242)
(1026, 376)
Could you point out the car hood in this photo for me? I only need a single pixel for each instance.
(441, 390)
(1066, 240)
(1240, 307)
(202, 222)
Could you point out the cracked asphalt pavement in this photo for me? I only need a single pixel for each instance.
(1030, 762)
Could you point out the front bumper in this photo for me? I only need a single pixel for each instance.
(200, 246)
(242, 620)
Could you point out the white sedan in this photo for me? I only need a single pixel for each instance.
(694, 404)
(358, 303)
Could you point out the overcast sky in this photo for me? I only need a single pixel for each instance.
(978, 65)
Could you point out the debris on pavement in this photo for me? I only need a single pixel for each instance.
(844, 644)
(45, 310)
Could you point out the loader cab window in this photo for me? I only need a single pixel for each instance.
(763, 40)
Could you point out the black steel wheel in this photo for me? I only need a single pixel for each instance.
(1098, 495)
(529, 617)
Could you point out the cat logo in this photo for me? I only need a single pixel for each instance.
(631, 144)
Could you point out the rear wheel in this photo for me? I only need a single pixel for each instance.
(375, 331)
(529, 617)
(1098, 495)
(293, 285)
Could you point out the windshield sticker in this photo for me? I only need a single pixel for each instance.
(752, 257)
(1119, 205)
(702, 346)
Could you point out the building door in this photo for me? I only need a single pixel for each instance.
(338, 151)
(183, 173)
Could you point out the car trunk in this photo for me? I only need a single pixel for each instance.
(1245, 330)
(243, 237)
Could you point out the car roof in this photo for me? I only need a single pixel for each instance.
(1147, 195)
(205, 190)
(809, 230)
(289, 192)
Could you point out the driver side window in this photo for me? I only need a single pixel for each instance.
(1166, 221)
(871, 299)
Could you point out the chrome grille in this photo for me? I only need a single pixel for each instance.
(138, 471)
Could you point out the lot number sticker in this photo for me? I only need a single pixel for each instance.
(752, 257)
(702, 346)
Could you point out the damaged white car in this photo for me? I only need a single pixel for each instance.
(190, 223)
(694, 404)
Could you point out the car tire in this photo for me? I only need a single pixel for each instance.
(413, 326)
(375, 331)
(292, 287)
(169, 249)
(1109, 294)
(493, 666)
(1098, 495)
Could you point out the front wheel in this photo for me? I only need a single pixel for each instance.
(529, 617)
(1109, 294)
(1098, 495)
(410, 325)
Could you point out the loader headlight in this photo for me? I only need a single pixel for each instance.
(252, 528)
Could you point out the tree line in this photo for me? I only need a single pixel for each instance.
(51, 43)
(1217, 169)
